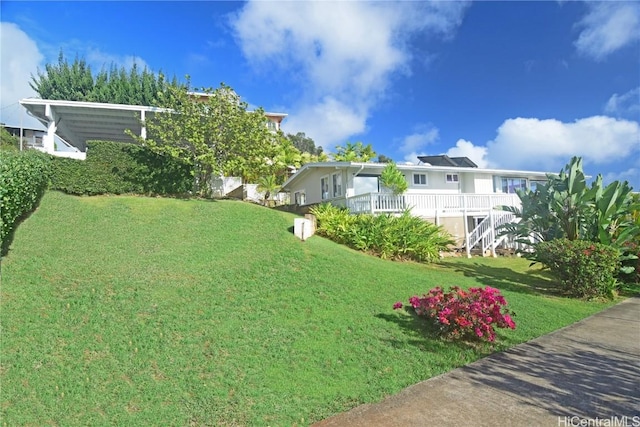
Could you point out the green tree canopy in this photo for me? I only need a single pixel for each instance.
(76, 82)
(354, 152)
(384, 159)
(217, 135)
(304, 143)
(393, 179)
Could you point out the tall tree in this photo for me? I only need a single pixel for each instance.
(217, 136)
(64, 81)
(75, 82)
(304, 143)
(354, 152)
(384, 159)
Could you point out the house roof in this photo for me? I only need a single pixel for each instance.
(78, 122)
(444, 160)
(376, 168)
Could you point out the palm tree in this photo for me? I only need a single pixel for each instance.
(269, 185)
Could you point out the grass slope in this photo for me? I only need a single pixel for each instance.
(141, 311)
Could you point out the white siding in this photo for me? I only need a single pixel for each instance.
(436, 183)
(483, 184)
(310, 184)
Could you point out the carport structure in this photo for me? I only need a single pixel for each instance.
(76, 122)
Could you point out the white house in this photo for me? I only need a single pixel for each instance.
(452, 192)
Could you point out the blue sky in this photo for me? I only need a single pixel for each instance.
(513, 85)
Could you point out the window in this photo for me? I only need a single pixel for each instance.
(324, 187)
(272, 126)
(336, 182)
(452, 178)
(512, 185)
(299, 197)
(533, 185)
(419, 179)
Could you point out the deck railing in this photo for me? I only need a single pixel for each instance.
(428, 204)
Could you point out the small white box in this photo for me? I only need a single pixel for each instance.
(302, 228)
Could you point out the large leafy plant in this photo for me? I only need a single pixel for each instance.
(567, 207)
(403, 237)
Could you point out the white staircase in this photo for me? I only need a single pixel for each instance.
(485, 235)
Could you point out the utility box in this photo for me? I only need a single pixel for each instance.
(303, 228)
(312, 218)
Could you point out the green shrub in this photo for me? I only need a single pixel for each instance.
(120, 168)
(630, 260)
(334, 222)
(8, 141)
(585, 269)
(393, 179)
(403, 237)
(23, 179)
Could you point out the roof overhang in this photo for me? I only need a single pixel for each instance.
(378, 167)
(77, 122)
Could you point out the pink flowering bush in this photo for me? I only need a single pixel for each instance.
(471, 314)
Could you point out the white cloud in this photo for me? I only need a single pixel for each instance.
(98, 59)
(632, 175)
(342, 54)
(417, 143)
(625, 105)
(477, 154)
(529, 143)
(19, 58)
(328, 117)
(609, 26)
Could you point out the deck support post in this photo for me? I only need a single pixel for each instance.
(143, 129)
(48, 141)
(492, 223)
(466, 226)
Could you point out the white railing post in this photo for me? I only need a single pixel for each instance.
(466, 226)
(371, 203)
(493, 233)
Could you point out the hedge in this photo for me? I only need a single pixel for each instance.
(23, 179)
(585, 269)
(120, 168)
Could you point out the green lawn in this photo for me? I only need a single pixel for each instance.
(147, 311)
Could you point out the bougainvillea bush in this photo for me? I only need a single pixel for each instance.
(460, 314)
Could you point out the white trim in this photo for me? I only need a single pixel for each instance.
(93, 105)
